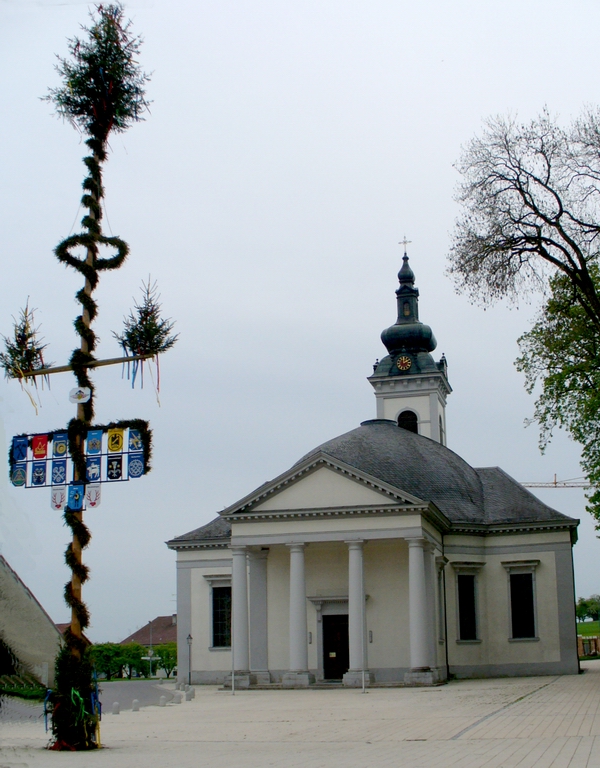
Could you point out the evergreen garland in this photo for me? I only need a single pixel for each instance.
(102, 91)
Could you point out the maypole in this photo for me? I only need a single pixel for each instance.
(102, 91)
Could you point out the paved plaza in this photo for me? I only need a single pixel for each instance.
(524, 722)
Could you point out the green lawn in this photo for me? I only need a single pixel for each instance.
(587, 628)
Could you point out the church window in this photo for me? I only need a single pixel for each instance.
(410, 421)
(467, 620)
(406, 309)
(221, 617)
(522, 605)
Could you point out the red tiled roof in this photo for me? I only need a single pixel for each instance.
(164, 630)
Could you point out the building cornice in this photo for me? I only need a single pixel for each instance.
(411, 383)
(179, 544)
(501, 529)
(429, 511)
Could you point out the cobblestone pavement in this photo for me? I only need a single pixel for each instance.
(502, 723)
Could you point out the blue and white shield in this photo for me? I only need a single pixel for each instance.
(75, 501)
(135, 440)
(38, 473)
(59, 471)
(19, 448)
(94, 441)
(18, 476)
(59, 444)
(136, 464)
(114, 468)
(92, 469)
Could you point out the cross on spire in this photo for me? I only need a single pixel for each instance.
(404, 242)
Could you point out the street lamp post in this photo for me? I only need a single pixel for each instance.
(189, 642)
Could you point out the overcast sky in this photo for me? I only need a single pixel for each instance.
(290, 146)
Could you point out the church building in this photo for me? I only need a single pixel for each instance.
(381, 555)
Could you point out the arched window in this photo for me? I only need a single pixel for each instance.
(406, 309)
(409, 420)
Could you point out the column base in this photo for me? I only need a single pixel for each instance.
(242, 680)
(354, 678)
(262, 677)
(424, 676)
(297, 679)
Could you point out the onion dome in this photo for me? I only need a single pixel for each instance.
(408, 334)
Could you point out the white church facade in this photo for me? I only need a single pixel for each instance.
(381, 554)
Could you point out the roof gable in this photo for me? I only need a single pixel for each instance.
(319, 482)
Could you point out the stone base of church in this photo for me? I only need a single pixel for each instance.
(242, 680)
(297, 679)
(260, 678)
(354, 678)
(428, 676)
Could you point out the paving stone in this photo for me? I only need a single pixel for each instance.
(541, 722)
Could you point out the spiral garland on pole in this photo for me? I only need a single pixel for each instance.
(102, 91)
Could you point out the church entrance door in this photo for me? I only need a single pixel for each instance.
(336, 656)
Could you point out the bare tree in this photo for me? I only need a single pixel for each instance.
(530, 196)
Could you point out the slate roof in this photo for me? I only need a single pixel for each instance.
(428, 470)
(432, 472)
(219, 528)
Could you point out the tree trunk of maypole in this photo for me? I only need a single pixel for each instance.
(76, 585)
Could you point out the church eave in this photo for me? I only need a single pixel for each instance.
(499, 529)
(177, 544)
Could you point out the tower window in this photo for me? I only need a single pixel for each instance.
(442, 435)
(406, 309)
(410, 421)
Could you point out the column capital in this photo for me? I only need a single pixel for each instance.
(296, 546)
(355, 543)
(239, 549)
(429, 546)
(416, 542)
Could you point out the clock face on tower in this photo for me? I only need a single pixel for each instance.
(403, 363)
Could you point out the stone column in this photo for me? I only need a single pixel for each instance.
(420, 673)
(356, 614)
(429, 562)
(239, 584)
(257, 600)
(298, 673)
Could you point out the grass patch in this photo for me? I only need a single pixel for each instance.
(587, 628)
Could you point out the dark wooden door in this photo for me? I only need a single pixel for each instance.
(335, 647)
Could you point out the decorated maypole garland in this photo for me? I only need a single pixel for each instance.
(102, 92)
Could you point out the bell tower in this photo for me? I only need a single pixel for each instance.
(410, 387)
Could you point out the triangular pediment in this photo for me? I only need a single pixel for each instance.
(322, 482)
